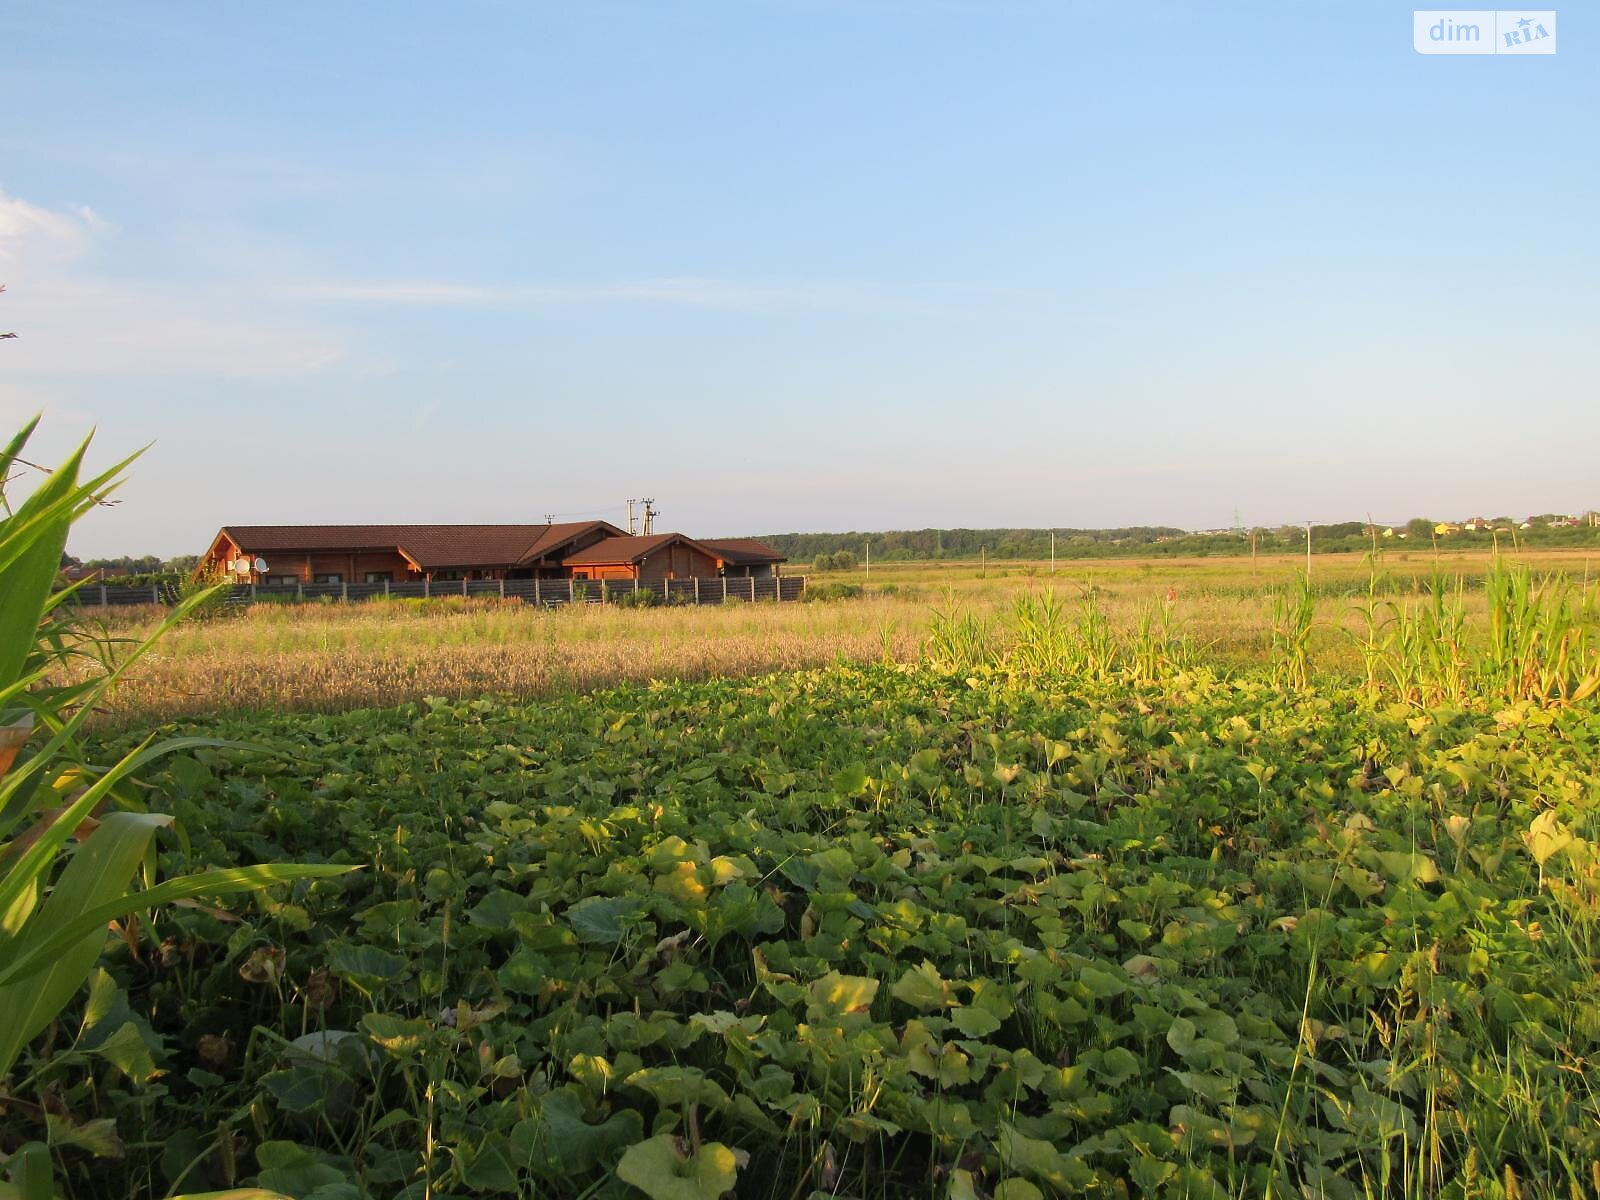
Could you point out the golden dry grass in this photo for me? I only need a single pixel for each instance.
(330, 657)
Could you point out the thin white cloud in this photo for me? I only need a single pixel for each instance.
(71, 319)
(689, 291)
(30, 230)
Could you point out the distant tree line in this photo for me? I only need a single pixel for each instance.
(841, 551)
(138, 571)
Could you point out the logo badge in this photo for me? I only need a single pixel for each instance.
(1484, 31)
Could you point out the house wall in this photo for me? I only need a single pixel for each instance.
(305, 566)
(604, 571)
(676, 561)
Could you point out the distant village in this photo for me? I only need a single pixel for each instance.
(1425, 528)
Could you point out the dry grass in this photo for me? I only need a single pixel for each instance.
(330, 657)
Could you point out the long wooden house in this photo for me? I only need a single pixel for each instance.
(336, 554)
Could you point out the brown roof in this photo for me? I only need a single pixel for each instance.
(429, 546)
(626, 549)
(743, 552)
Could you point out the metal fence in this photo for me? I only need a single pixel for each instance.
(550, 593)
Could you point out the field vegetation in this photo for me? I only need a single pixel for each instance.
(325, 657)
(1171, 880)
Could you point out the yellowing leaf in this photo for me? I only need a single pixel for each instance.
(1546, 837)
(836, 995)
(662, 1169)
(923, 988)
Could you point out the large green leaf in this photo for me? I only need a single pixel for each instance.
(99, 870)
(663, 1169)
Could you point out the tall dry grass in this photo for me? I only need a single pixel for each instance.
(330, 657)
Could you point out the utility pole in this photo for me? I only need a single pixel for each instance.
(869, 560)
(1308, 549)
(650, 514)
(549, 518)
(983, 562)
(1052, 552)
(632, 529)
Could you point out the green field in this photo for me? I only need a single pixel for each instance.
(887, 932)
(1169, 880)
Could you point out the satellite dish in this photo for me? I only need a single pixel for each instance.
(261, 565)
(241, 566)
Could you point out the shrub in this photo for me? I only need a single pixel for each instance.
(821, 592)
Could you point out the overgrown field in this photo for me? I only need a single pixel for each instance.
(319, 658)
(874, 931)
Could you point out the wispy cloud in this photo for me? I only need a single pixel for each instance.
(73, 319)
(690, 291)
(30, 230)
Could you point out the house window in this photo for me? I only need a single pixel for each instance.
(447, 576)
(380, 576)
(282, 580)
(580, 574)
(330, 577)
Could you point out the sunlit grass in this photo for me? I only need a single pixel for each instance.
(328, 657)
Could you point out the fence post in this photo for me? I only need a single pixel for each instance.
(463, 585)
(385, 589)
(252, 593)
(752, 579)
(572, 590)
(502, 587)
(426, 589)
(103, 601)
(344, 590)
(155, 593)
(724, 589)
(697, 589)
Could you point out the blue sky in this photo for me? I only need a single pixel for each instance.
(798, 265)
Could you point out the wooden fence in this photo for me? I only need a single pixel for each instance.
(547, 592)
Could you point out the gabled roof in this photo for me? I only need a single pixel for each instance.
(743, 552)
(429, 546)
(627, 549)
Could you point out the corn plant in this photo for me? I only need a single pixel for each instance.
(1544, 638)
(1425, 651)
(1369, 639)
(1292, 616)
(1042, 640)
(957, 640)
(1159, 647)
(1098, 644)
(57, 897)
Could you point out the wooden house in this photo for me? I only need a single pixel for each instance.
(745, 556)
(289, 554)
(285, 555)
(657, 557)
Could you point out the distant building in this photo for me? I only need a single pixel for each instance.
(299, 554)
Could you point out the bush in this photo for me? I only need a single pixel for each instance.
(841, 560)
(833, 591)
(643, 598)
